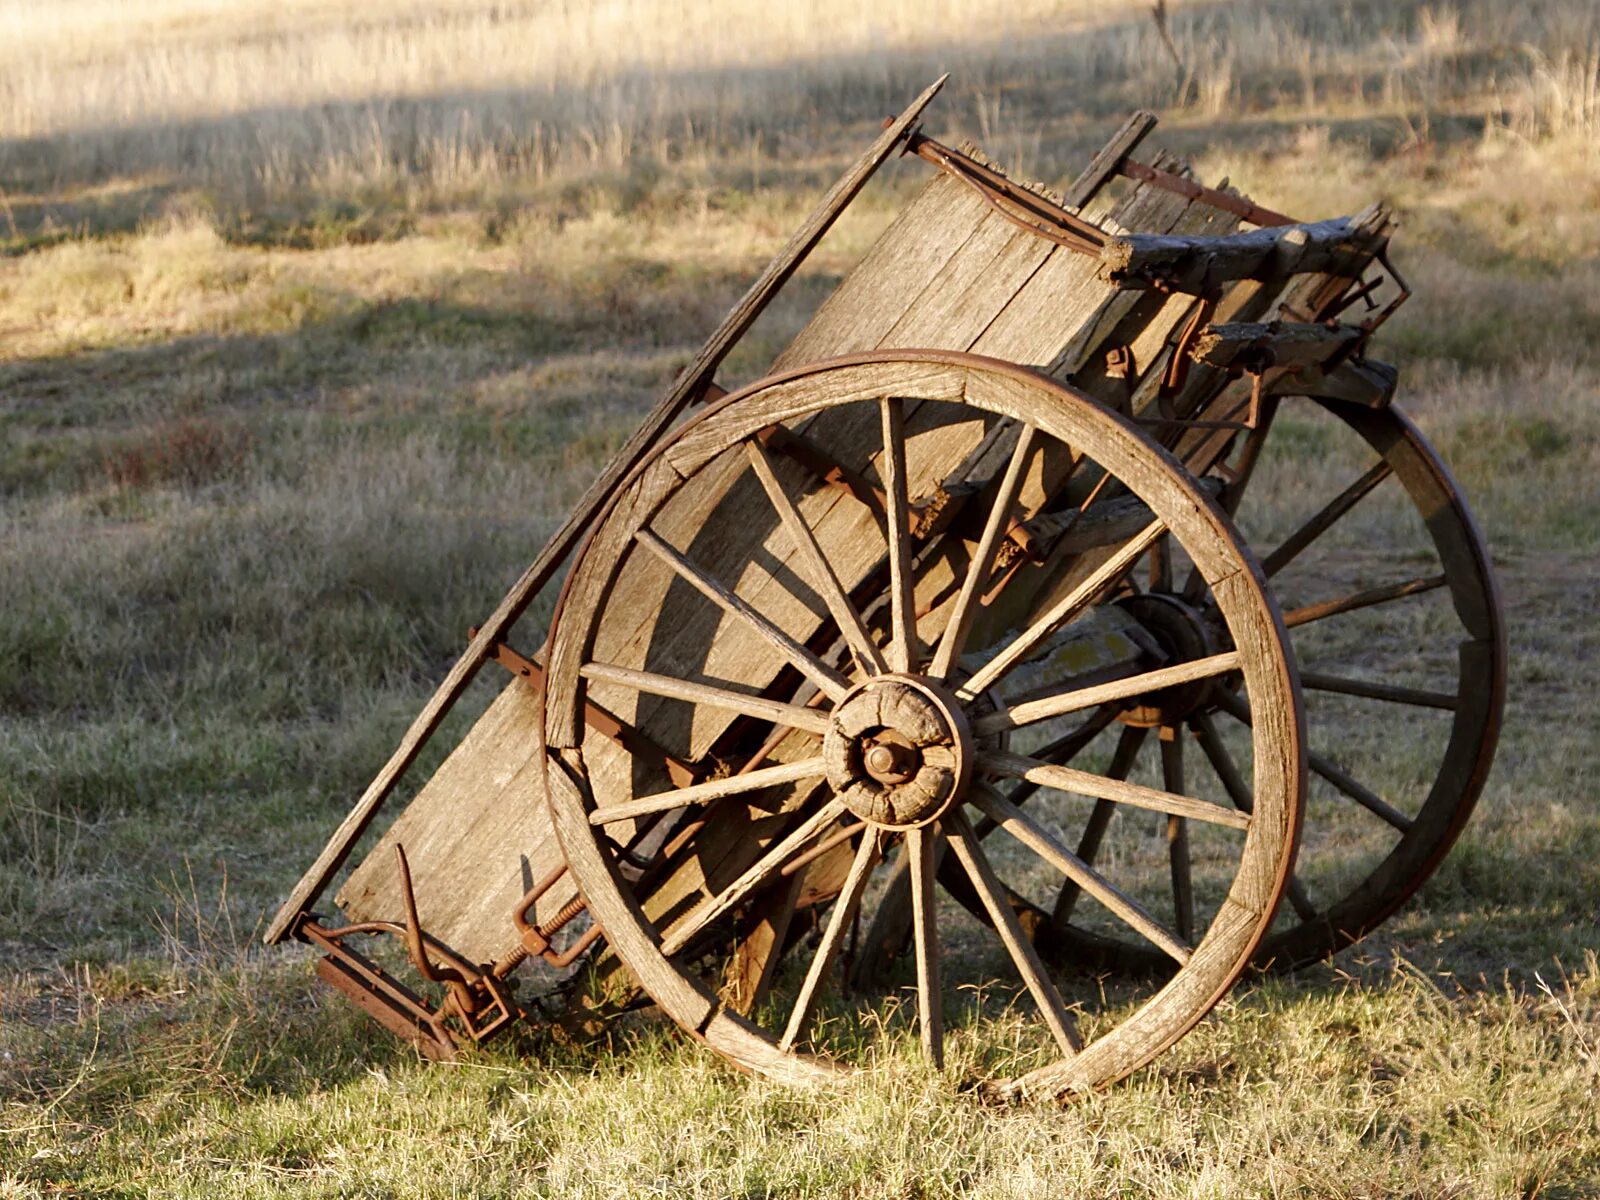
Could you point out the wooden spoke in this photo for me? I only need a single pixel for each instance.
(902, 609)
(1178, 837)
(839, 921)
(1094, 830)
(793, 716)
(820, 573)
(801, 861)
(813, 668)
(1031, 711)
(923, 856)
(1216, 752)
(1368, 799)
(1034, 836)
(964, 842)
(1323, 520)
(1063, 750)
(1064, 610)
(713, 789)
(1086, 783)
(1379, 595)
(1325, 767)
(767, 865)
(1377, 691)
(1160, 574)
(962, 613)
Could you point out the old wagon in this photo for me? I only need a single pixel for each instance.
(936, 656)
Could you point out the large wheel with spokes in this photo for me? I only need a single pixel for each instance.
(813, 594)
(1390, 599)
(1389, 596)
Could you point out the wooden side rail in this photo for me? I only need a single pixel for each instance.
(1256, 345)
(1342, 246)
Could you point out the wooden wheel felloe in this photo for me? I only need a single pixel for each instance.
(814, 593)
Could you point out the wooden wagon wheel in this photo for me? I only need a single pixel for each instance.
(872, 732)
(1378, 823)
(1436, 663)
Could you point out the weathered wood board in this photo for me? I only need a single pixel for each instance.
(476, 835)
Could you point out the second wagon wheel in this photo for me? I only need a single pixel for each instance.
(1390, 600)
(762, 598)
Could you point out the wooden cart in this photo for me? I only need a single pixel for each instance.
(897, 622)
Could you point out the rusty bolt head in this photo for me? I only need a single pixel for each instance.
(892, 762)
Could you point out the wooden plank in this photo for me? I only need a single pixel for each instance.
(963, 298)
(1255, 345)
(1108, 158)
(894, 273)
(690, 384)
(1044, 317)
(478, 836)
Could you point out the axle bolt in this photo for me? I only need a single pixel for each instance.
(889, 762)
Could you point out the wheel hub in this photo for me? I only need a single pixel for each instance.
(899, 751)
(1184, 634)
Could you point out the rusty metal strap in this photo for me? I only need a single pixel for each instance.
(1023, 208)
(1178, 185)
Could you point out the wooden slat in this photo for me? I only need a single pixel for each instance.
(1108, 158)
(478, 834)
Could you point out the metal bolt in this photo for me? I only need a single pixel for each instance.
(889, 762)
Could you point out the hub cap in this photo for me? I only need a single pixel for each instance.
(899, 751)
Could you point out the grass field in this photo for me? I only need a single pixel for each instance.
(316, 318)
